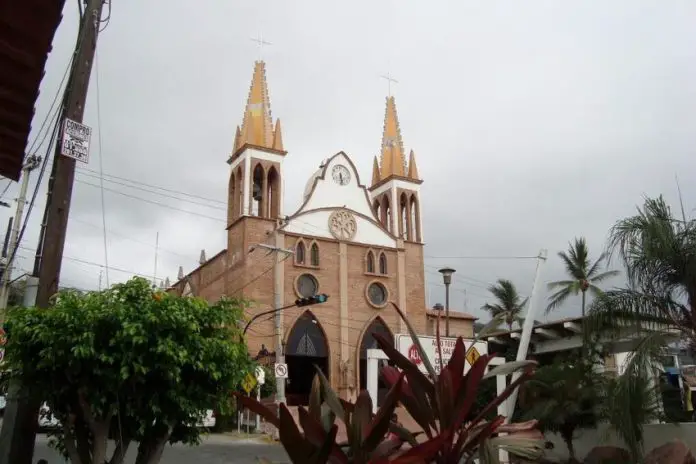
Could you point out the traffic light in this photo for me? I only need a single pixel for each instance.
(312, 300)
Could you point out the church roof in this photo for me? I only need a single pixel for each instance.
(392, 159)
(257, 125)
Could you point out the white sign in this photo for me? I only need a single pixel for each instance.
(260, 375)
(281, 371)
(405, 345)
(76, 139)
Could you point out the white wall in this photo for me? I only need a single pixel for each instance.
(654, 435)
(316, 224)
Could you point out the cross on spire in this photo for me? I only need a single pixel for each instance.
(389, 80)
(260, 42)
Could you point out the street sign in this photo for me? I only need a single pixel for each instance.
(249, 382)
(75, 141)
(260, 375)
(405, 345)
(281, 371)
(473, 356)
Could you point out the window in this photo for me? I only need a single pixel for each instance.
(377, 294)
(307, 285)
(300, 252)
(382, 263)
(370, 262)
(314, 254)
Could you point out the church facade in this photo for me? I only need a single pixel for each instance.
(361, 244)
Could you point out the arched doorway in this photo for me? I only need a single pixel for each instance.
(368, 342)
(306, 347)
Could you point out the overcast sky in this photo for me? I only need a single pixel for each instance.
(533, 122)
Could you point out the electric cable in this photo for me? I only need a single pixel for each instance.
(101, 158)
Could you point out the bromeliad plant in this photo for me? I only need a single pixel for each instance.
(442, 405)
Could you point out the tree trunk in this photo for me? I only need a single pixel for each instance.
(583, 302)
(151, 448)
(120, 452)
(568, 439)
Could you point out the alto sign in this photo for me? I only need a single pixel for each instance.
(405, 345)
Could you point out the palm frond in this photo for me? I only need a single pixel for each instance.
(604, 276)
(560, 283)
(558, 298)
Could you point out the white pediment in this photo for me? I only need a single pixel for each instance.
(331, 189)
(316, 224)
(336, 186)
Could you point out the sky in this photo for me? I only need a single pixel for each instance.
(532, 122)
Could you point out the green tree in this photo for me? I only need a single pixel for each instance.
(658, 305)
(130, 363)
(564, 397)
(584, 275)
(509, 304)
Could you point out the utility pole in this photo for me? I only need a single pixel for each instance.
(30, 164)
(21, 415)
(527, 327)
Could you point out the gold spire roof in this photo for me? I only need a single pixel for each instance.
(392, 161)
(257, 125)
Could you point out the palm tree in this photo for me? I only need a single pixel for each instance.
(509, 304)
(659, 253)
(584, 275)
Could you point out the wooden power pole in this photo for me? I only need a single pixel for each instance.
(20, 422)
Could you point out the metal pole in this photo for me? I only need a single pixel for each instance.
(277, 303)
(258, 418)
(31, 163)
(20, 424)
(527, 328)
(447, 332)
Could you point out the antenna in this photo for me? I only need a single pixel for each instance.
(681, 201)
(154, 275)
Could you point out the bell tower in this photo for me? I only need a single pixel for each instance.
(255, 195)
(395, 188)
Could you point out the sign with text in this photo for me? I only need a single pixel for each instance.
(75, 141)
(405, 345)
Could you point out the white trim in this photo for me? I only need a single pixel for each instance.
(398, 183)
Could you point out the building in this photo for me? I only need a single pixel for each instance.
(362, 245)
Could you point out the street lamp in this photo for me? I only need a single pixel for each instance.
(447, 278)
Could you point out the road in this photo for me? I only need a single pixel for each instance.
(215, 449)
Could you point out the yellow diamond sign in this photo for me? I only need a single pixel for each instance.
(249, 382)
(473, 355)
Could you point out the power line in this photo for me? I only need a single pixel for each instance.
(482, 257)
(152, 186)
(101, 178)
(152, 202)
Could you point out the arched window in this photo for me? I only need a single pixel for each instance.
(300, 252)
(314, 254)
(382, 263)
(370, 265)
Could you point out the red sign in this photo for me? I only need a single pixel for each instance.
(413, 355)
(3, 337)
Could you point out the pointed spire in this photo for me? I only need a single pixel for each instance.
(393, 161)
(257, 126)
(237, 139)
(161, 285)
(180, 275)
(167, 283)
(412, 168)
(278, 136)
(201, 259)
(375, 172)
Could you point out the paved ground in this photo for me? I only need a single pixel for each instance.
(215, 449)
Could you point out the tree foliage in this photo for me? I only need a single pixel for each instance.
(130, 363)
(564, 397)
(509, 304)
(584, 275)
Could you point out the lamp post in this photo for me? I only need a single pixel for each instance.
(447, 278)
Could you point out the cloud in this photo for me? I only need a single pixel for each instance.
(532, 123)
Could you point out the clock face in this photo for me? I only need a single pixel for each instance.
(340, 174)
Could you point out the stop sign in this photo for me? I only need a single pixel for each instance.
(413, 355)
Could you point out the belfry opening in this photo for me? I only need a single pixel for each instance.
(306, 348)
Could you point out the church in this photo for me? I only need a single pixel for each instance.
(359, 243)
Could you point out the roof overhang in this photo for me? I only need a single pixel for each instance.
(566, 334)
(27, 28)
